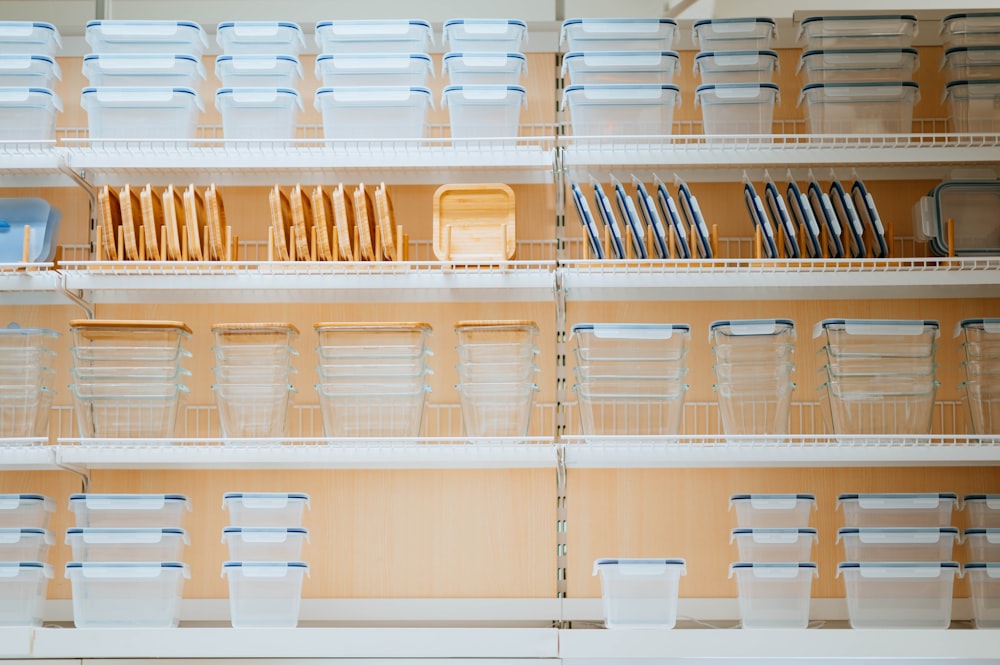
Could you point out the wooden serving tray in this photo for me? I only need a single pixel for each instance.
(474, 222)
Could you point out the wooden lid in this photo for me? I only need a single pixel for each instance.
(254, 327)
(194, 219)
(130, 323)
(364, 217)
(486, 323)
(216, 214)
(386, 222)
(302, 221)
(152, 221)
(322, 210)
(343, 217)
(474, 222)
(281, 213)
(393, 325)
(109, 218)
(173, 216)
(131, 206)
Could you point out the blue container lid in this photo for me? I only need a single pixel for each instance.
(581, 54)
(266, 495)
(419, 90)
(278, 91)
(179, 24)
(652, 562)
(711, 54)
(592, 327)
(953, 17)
(860, 17)
(621, 86)
(225, 25)
(34, 24)
(253, 56)
(25, 565)
(170, 531)
(415, 22)
(980, 497)
(802, 531)
(265, 529)
(474, 21)
(25, 531)
(928, 323)
(863, 84)
(983, 565)
(798, 497)
(977, 48)
(970, 82)
(977, 323)
(265, 564)
(943, 496)
(127, 497)
(945, 565)
(804, 565)
(739, 19)
(355, 56)
(851, 530)
(980, 531)
(167, 565)
(578, 21)
(27, 497)
(451, 55)
(851, 51)
(119, 56)
(39, 58)
(735, 86)
(752, 325)
(461, 88)
(180, 91)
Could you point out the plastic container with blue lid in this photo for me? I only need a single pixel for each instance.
(984, 588)
(484, 111)
(127, 594)
(899, 594)
(22, 592)
(618, 34)
(265, 543)
(256, 69)
(28, 71)
(24, 543)
(755, 511)
(866, 107)
(912, 543)
(737, 108)
(28, 113)
(258, 112)
(620, 67)
(374, 112)
(484, 34)
(621, 109)
(590, 228)
(265, 594)
(972, 105)
(973, 62)
(374, 36)
(751, 332)
(982, 510)
(840, 65)
(380, 69)
(143, 69)
(774, 594)
(972, 205)
(126, 543)
(858, 31)
(484, 67)
(265, 508)
(29, 37)
(734, 34)
(651, 219)
(672, 215)
(129, 510)
(146, 36)
(774, 544)
(25, 510)
(982, 543)
(757, 66)
(899, 509)
(970, 29)
(148, 113)
(270, 37)
(640, 593)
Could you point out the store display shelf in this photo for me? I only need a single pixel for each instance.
(30, 284)
(28, 454)
(782, 279)
(31, 164)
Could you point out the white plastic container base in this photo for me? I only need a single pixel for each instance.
(984, 588)
(391, 112)
(774, 595)
(24, 544)
(974, 105)
(620, 109)
(858, 31)
(899, 594)
(857, 65)
(126, 594)
(760, 511)
(141, 113)
(143, 69)
(28, 114)
(982, 511)
(257, 70)
(483, 68)
(265, 508)
(264, 594)
(897, 509)
(871, 107)
(25, 510)
(127, 543)
(898, 543)
(258, 113)
(142, 36)
(265, 543)
(129, 510)
(737, 108)
(379, 69)
(640, 593)
(774, 544)
(483, 111)
(271, 37)
(22, 592)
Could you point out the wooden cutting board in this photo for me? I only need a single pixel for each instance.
(474, 222)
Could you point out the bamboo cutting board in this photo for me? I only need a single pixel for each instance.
(474, 222)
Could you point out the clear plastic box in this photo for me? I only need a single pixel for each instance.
(141, 113)
(734, 34)
(127, 543)
(982, 544)
(28, 114)
(15, 339)
(380, 69)
(750, 408)
(389, 112)
(737, 108)
(246, 373)
(618, 34)
(374, 36)
(898, 543)
(496, 409)
(972, 204)
(483, 68)
(22, 592)
(631, 341)
(24, 411)
(121, 416)
(874, 368)
(254, 334)
(964, 63)
(899, 594)
(910, 338)
(640, 414)
(29, 37)
(772, 511)
(475, 333)
(483, 111)
(371, 370)
(496, 372)
(897, 509)
(271, 37)
(142, 36)
(870, 107)
(253, 70)
(640, 593)
(265, 543)
(774, 544)
(970, 29)
(868, 410)
(972, 105)
(484, 34)
(24, 544)
(856, 65)
(621, 109)
(597, 368)
(258, 113)
(984, 587)
(143, 69)
(380, 412)
(250, 355)
(24, 70)
(252, 410)
(265, 508)
(165, 511)
(982, 511)
(264, 594)
(858, 31)
(736, 66)
(25, 511)
(407, 339)
(774, 594)
(126, 594)
(495, 352)
(620, 67)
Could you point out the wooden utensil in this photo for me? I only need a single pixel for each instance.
(301, 222)
(343, 217)
(173, 221)
(216, 214)
(322, 209)
(152, 221)
(109, 220)
(474, 222)
(364, 218)
(195, 222)
(131, 210)
(281, 213)
(386, 222)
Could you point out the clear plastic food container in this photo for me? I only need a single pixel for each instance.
(484, 34)
(970, 29)
(374, 36)
(609, 367)
(126, 594)
(774, 544)
(859, 64)
(251, 410)
(972, 105)
(737, 108)
(30, 37)
(124, 416)
(631, 341)
(254, 69)
(752, 409)
(368, 112)
(514, 372)
(165, 511)
(254, 334)
(28, 71)
(982, 510)
(618, 34)
(909, 338)
(868, 107)
(265, 594)
(772, 511)
(25, 510)
(381, 69)
(897, 509)
(736, 66)
(254, 354)
(117, 334)
(898, 543)
(620, 67)
(144, 36)
(774, 594)
(24, 411)
(484, 111)
(142, 69)
(984, 587)
(22, 592)
(982, 544)
(493, 352)
(866, 408)
(640, 593)
(161, 113)
(734, 34)
(256, 374)
(965, 63)
(256, 113)
(252, 509)
(149, 543)
(858, 31)
(399, 338)
(899, 594)
(24, 544)
(265, 543)
(496, 409)
(376, 411)
(621, 109)
(28, 113)
(271, 37)
(639, 414)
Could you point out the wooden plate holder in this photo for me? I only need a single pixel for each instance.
(713, 241)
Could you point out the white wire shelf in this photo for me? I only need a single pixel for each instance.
(31, 164)
(28, 454)
(30, 284)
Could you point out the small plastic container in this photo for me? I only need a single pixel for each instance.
(736, 66)
(495, 410)
(483, 111)
(265, 594)
(24, 70)
(251, 114)
(118, 414)
(248, 509)
(126, 594)
(858, 31)
(374, 36)
(900, 338)
(980, 338)
(496, 372)
(252, 410)
(24, 410)
(127, 543)
(29, 37)
(390, 112)
(28, 114)
(772, 511)
(25, 511)
(898, 509)
(871, 107)
(970, 29)
(379, 411)
(141, 113)
(621, 109)
(22, 592)
(964, 63)
(899, 594)
(898, 543)
(165, 511)
(865, 408)
(620, 67)
(258, 70)
(972, 205)
(278, 334)
(484, 34)
(380, 69)
(265, 543)
(618, 34)
(385, 340)
(982, 511)
(737, 108)
(483, 68)
(638, 414)
(857, 65)
(599, 368)
(495, 352)
(476, 333)
(631, 341)
(973, 105)
(640, 593)
(774, 594)
(982, 544)
(734, 34)
(143, 69)
(24, 544)
(752, 337)
(774, 544)
(254, 355)
(984, 587)
(750, 408)
(142, 36)
(271, 37)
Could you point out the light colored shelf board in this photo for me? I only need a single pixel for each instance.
(26, 455)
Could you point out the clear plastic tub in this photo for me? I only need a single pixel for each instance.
(749, 409)
(89, 333)
(620, 67)
(372, 370)
(774, 594)
(252, 70)
(897, 509)
(126, 594)
(911, 338)
(496, 409)
(736, 66)
(603, 415)
(372, 386)
(271, 37)
(257, 374)
(772, 511)
(734, 34)
(248, 410)
(22, 592)
(984, 588)
(127, 543)
(29, 37)
(858, 31)
(143, 69)
(964, 63)
(970, 29)
(25, 510)
(494, 352)
(161, 358)
(631, 341)
(982, 510)
(380, 69)
(515, 372)
(28, 114)
(899, 594)
(632, 387)
(618, 34)
(908, 411)
(858, 64)
(141, 113)
(774, 544)
(265, 508)
(748, 373)
(265, 594)
(982, 544)
(898, 543)
(848, 364)
(379, 412)
(737, 108)
(484, 34)
(24, 544)
(143, 36)
(251, 114)
(265, 543)
(870, 107)
(972, 205)
(483, 111)
(15, 339)
(640, 593)
(128, 417)
(374, 36)
(24, 411)
(166, 511)
(595, 368)
(254, 354)
(24, 70)
(972, 105)
(483, 68)
(621, 109)
(389, 112)
(399, 338)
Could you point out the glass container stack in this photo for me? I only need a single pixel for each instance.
(972, 60)
(981, 368)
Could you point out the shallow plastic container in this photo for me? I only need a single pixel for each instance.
(484, 34)
(974, 105)
(631, 341)
(141, 113)
(772, 511)
(258, 113)
(390, 112)
(737, 108)
(271, 37)
(143, 36)
(483, 68)
(879, 370)
(496, 409)
(25, 511)
(22, 592)
(734, 34)
(897, 338)
(265, 543)
(126, 594)
(858, 31)
(620, 67)
(25, 70)
(971, 29)
(374, 36)
(973, 206)
(483, 111)
(254, 334)
(523, 352)
(165, 511)
(143, 69)
(123, 416)
(898, 509)
(898, 543)
(258, 374)
(24, 544)
(264, 594)
(984, 588)
(29, 37)
(982, 544)
(252, 410)
(963, 63)
(618, 34)
(736, 66)
(899, 594)
(774, 544)
(28, 114)
(621, 109)
(858, 64)
(640, 593)
(870, 107)
(381, 411)
(982, 510)
(258, 70)
(379, 69)
(639, 414)
(265, 508)
(151, 543)
(774, 594)
(15, 339)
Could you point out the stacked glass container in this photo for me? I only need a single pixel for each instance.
(981, 369)
(496, 376)
(372, 378)
(127, 377)
(25, 381)
(972, 60)
(753, 374)
(879, 376)
(252, 377)
(630, 377)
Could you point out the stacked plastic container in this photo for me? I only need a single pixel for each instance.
(372, 378)
(981, 370)
(126, 569)
(879, 375)
(265, 568)
(736, 65)
(630, 378)
(259, 70)
(127, 377)
(484, 64)
(374, 78)
(496, 376)
(774, 569)
(621, 73)
(982, 547)
(28, 71)
(143, 79)
(898, 569)
(972, 62)
(24, 546)
(858, 73)
(25, 381)
(640, 593)
(753, 374)
(253, 378)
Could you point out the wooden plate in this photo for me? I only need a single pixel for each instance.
(302, 221)
(343, 217)
(281, 214)
(322, 209)
(474, 222)
(131, 206)
(152, 221)
(364, 218)
(195, 222)
(386, 222)
(173, 219)
(109, 219)
(216, 214)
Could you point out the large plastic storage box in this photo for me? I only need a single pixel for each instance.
(640, 593)
(265, 594)
(22, 592)
(620, 67)
(621, 109)
(858, 64)
(898, 543)
(391, 112)
(28, 114)
(770, 511)
(127, 543)
(379, 69)
(964, 63)
(374, 36)
(24, 544)
(736, 66)
(270, 37)
(858, 31)
(870, 107)
(480, 68)
(734, 34)
(24, 70)
(483, 111)
(29, 37)
(265, 508)
(265, 543)
(984, 587)
(141, 113)
(774, 544)
(121, 594)
(618, 34)
(25, 510)
(737, 108)
(898, 509)
(143, 69)
(774, 595)
(899, 594)
(974, 105)
(970, 29)
(258, 113)
(142, 36)
(484, 34)
(258, 70)
(129, 510)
